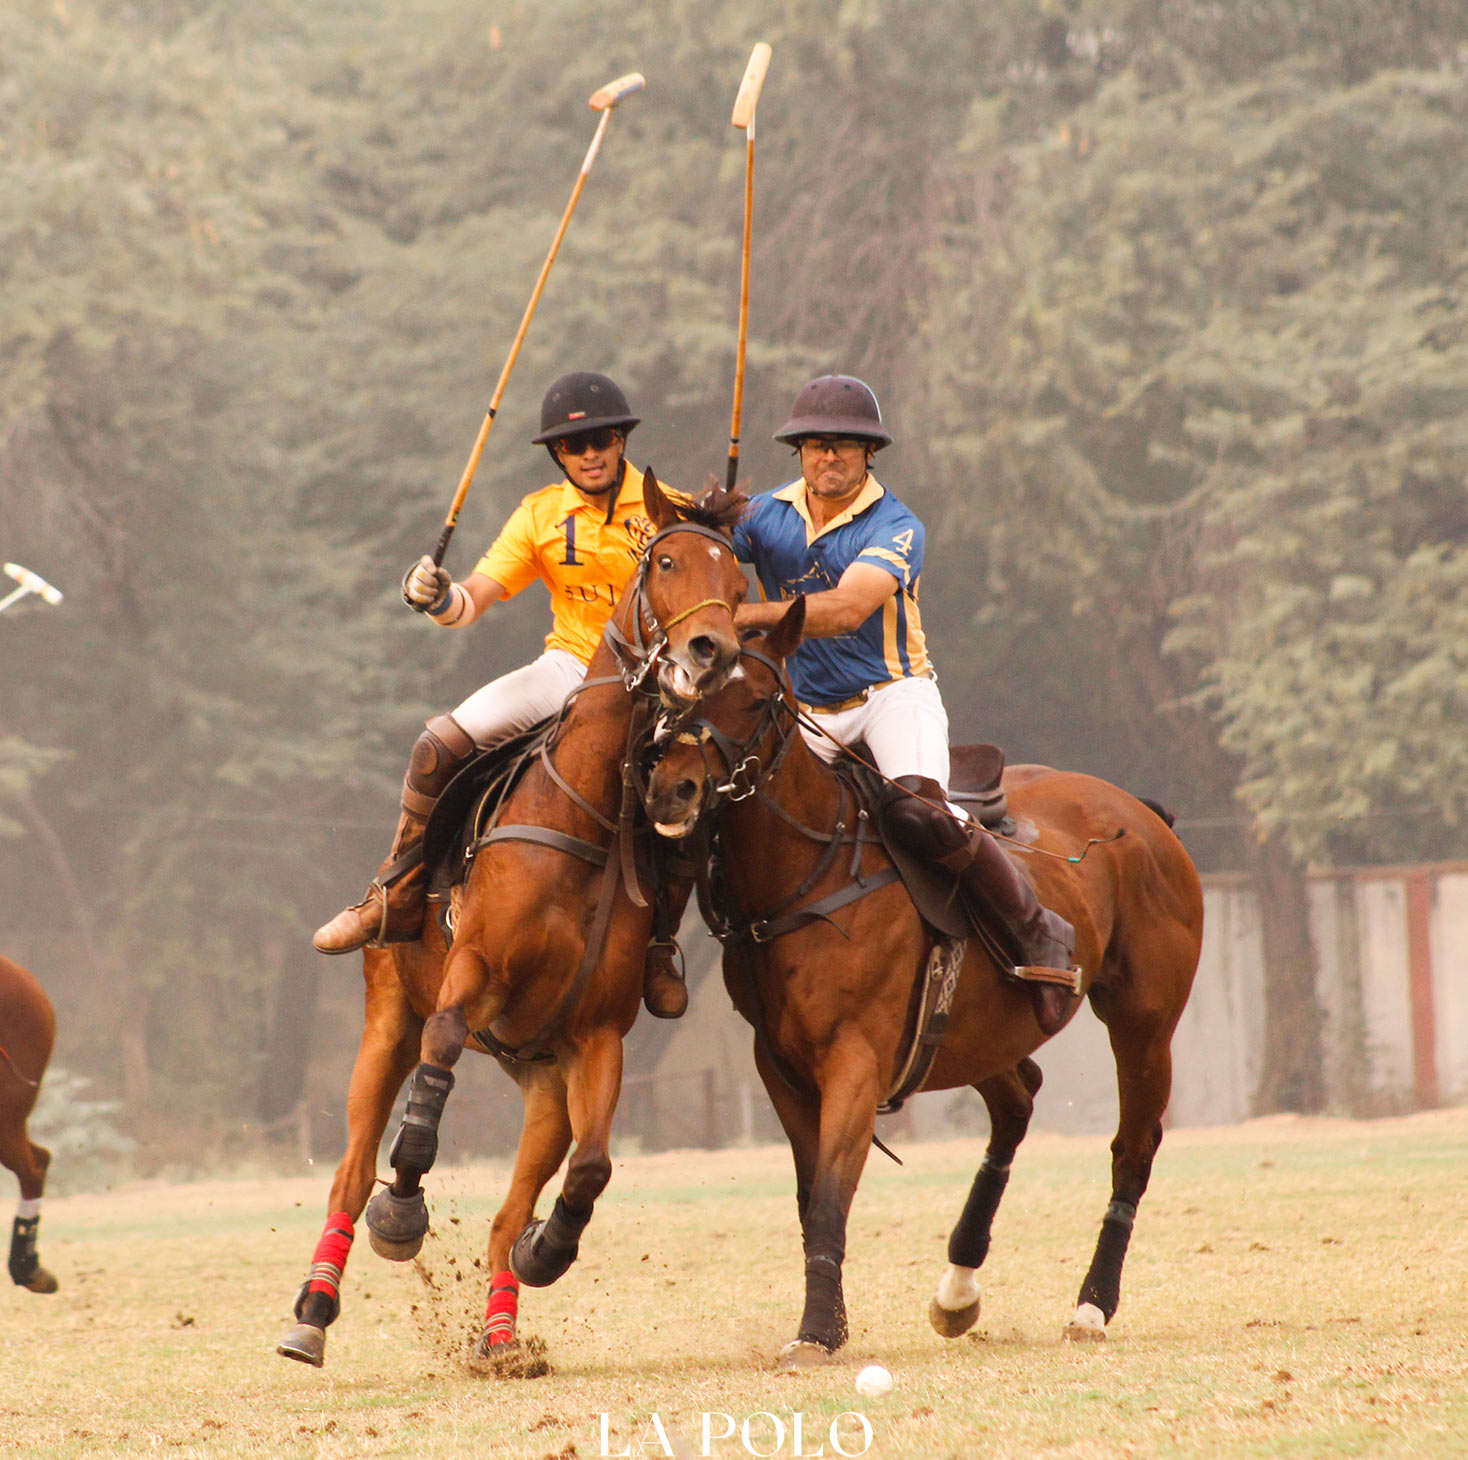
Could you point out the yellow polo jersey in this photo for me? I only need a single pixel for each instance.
(556, 535)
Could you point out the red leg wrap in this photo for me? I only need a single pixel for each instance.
(331, 1255)
(504, 1307)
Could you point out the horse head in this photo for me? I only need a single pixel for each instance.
(737, 739)
(686, 591)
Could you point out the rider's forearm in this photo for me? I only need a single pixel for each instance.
(466, 601)
(827, 613)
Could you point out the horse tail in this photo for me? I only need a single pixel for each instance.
(1159, 808)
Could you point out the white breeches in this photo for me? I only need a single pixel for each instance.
(903, 724)
(515, 701)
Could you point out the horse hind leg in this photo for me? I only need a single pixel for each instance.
(1144, 1070)
(29, 1162)
(545, 1138)
(1010, 1099)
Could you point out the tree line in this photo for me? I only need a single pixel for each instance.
(1163, 301)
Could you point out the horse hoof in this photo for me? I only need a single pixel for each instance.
(306, 1343)
(801, 1354)
(952, 1322)
(509, 1360)
(40, 1281)
(534, 1261)
(1088, 1326)
(396, 1225)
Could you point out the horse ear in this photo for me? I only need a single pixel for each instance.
(786, 634)
(659, 509)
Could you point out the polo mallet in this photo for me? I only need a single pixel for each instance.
(29, 583)
(744, 105)
(604, 101)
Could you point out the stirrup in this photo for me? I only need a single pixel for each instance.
(1066, 978)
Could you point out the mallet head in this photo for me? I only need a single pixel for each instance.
(618, 90)
(749, 89)
(34, 583)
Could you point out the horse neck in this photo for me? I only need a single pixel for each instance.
(590, 745)
(806, 790)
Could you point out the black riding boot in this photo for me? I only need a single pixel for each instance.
(1042, 939)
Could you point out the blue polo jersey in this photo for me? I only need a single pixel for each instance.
(791, 558)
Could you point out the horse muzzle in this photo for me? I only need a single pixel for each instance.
(673, 804)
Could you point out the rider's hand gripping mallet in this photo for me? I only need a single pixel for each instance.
(744, 105)
(29, 583)
(604, 101)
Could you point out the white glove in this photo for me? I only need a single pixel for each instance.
(425, 585)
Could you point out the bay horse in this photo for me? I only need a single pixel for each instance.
(544, 970)
(825, 956)
(27, 1033)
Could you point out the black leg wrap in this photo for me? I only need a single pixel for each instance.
(319, 1309)
(415, 1146)
(1103, 1282)
(24, 1259)
(968, 1245)
(544, 1250)
(824, 1319)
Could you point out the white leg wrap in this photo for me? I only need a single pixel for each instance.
(1088, 1315)
(25, 1210)
(958, 1289)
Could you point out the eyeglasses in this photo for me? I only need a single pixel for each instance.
(597, 440)
(840, 445)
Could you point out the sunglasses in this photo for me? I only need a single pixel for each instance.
(597, 440)
(840, 445)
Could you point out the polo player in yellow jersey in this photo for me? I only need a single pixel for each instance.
(582, 537)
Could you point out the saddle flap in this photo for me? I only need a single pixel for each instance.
(486, 780)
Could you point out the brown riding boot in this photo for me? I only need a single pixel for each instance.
(393, 909)
(1044, 940)
(664, 989)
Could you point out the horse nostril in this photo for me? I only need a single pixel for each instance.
(685, 791)
(703, 649)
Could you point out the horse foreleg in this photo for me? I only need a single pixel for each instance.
(1144, 1083)
(544, 1140)
(385, 1055)
(397, 1217)
(29, 1161)
(545, 1249)
(1010, 1099)
(799, 1114)
(849, 1093)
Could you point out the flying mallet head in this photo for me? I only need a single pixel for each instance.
(29, 583)
(618, 90)
(749, 89)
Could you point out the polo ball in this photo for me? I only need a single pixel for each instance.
(874, 1382)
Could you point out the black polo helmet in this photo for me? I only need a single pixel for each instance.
(835, 405)
(583, 401)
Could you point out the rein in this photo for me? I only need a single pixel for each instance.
(14, 1070)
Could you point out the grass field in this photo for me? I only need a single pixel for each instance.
(1295, 1288)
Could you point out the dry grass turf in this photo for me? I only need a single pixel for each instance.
(1295, 1288)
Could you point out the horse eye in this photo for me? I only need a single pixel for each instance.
(665, 562)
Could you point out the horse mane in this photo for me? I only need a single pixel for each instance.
(714, 507)
(1159, 808)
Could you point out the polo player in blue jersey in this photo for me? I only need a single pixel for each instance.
(855, 551)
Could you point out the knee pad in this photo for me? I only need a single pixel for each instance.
(916, 816)
(438, 752)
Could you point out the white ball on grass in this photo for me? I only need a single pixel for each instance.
(874, 1382)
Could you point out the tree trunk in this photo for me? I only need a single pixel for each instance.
(1293, 1072)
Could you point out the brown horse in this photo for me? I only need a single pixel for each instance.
(545, 968)
(27, 1032)
(828, 972)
